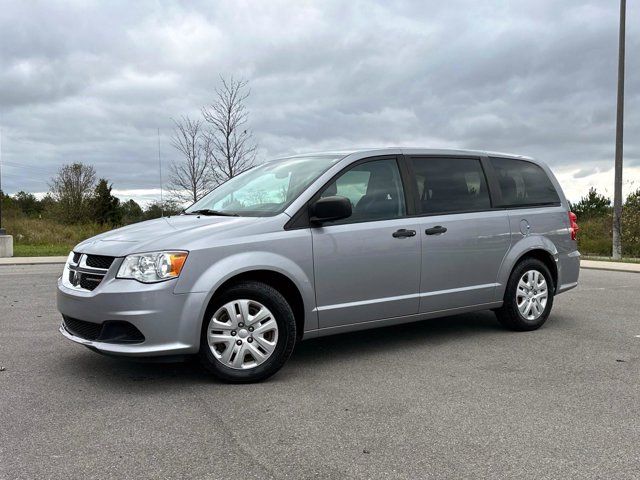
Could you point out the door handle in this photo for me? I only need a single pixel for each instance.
(435, 230)
(404, 233)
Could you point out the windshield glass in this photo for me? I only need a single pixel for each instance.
(267, 189)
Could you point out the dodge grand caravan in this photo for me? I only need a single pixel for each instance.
(325, 243)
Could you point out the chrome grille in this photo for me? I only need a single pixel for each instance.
(86, 272)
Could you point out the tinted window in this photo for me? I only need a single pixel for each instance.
(374, 189)
(523, 183)
(450, 185)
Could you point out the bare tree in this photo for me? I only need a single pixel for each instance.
(230, 148)
(190, 177)
(72, 188)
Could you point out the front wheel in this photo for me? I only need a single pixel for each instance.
(528, 297)
(249, 333)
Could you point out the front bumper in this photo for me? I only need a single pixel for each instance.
(170, 322)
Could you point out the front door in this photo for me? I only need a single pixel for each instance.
(463, 240)
(367, 267)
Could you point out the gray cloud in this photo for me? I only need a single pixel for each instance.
(93, 81)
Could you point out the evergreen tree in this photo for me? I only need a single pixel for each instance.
(592, 205)
(106, 207)
(131, 212)
(633, 201)
(157, 209)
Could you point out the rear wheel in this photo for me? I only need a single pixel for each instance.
(249, 333)
(528, 297)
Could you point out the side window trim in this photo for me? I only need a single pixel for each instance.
(301, 218)
(489, 179)
(408, 176)
(495, 194)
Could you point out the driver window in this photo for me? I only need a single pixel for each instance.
(374, 190)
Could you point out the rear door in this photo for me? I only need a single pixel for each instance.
(367, 267)
(463, 240)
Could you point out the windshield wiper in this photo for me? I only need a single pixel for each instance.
(208, 211)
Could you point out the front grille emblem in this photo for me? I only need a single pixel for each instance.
(87, 271)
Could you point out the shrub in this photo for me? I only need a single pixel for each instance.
(47, 232)
(595, 236)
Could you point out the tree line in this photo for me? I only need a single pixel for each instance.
(595, 217)
(77, 197)
(211, 149)
(594, 204)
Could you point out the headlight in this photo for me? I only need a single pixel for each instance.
(153, 266)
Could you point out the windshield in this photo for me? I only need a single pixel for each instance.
(267, 189)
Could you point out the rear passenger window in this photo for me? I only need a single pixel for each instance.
(523, 183)
(450, 185)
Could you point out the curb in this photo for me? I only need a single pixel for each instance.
(616, 267)
(32, 261)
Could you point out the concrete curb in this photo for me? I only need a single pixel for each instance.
(610, 266)
(32, 260)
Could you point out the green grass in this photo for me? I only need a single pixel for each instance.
(37, 237)
(40, 250)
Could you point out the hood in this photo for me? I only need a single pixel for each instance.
(164, 234)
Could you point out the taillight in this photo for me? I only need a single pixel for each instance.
(573, 225)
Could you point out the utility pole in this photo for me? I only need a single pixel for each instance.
(617, 188)
(2, 231)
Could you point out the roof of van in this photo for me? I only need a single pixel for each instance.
(412, 151)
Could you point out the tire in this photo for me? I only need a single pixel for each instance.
(510, 315)
(249, 301)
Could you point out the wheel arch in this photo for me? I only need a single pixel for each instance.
(546, 258)
(537, 247)
(281, 282)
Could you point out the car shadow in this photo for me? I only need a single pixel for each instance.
(425, 333)
(92, 366)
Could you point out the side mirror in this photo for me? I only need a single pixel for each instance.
(329, 209)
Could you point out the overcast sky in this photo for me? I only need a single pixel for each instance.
(93, 81)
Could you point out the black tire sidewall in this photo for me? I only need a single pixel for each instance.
(511, 315)
(283, 315)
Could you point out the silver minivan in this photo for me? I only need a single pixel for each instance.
(324, 243)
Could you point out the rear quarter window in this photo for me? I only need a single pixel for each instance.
(523, 183)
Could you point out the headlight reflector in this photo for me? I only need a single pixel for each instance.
(153, 266)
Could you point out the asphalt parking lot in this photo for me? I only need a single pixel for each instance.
(457, 397)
